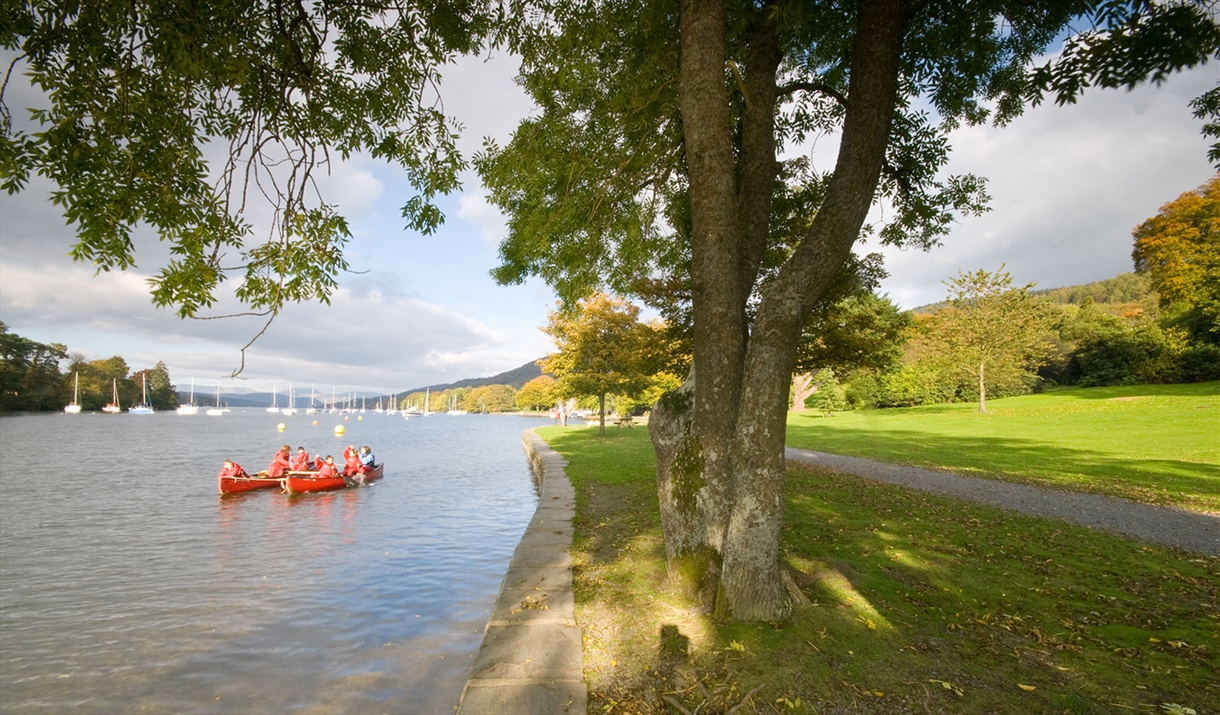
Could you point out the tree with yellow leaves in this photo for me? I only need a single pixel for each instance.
(603, 349)
(1179, 249)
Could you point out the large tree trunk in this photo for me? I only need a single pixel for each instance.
(720, 440)
(719, 339)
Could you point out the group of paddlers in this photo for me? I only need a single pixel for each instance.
(355, 462)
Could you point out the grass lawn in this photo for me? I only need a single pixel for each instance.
(1158, 444)
(921, 604)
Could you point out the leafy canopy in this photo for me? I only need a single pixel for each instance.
(594, 184)
(184, 117)
(603, 348)
(991, 331)
(1179, 250)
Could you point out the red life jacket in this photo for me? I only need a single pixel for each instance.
(352, 465)
(327, 470)
(233, 471)
(279, 465)
(301, 463)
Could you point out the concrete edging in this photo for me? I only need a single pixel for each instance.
(530, 660)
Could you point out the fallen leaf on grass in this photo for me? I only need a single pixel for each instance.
(1027, 688)
(948, 686)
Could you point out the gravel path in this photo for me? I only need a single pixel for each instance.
(1184, 529)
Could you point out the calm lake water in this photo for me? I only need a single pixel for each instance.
(127, 584)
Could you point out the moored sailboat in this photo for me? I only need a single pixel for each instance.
(113, 408)
(290, 409)
(143, 408)
(190, 408)
(74, 408)
(216, 411)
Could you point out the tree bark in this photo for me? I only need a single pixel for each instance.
(752, 582)
(720, 439)
(719, 336)
(802, 389)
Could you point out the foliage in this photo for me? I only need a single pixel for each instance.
(920, 603)
(1124, 292)
(29, 374)
(490, 399)
(828, 395)
(1179, 250)
(100, 378)
(862, 331)
(989, 335)
(162, 395)
(603, 349)
(537, 394)
(135, 91)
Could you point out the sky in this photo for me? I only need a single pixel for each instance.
(1068, 185)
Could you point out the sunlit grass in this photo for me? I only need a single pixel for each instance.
(922, 604)
(1158, 444)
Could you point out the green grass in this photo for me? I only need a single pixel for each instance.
(1158, 444)
(921, 604)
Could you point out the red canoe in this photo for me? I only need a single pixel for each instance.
(296, 484)
(233, 485)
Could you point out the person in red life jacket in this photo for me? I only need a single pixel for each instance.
(232, 469)
(327, 467)
(351, 462)
(280, 463)
(301, 463)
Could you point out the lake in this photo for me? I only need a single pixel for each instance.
(127, 584)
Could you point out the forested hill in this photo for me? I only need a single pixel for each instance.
(514, 378)
(1123, 288)
(1119, 293)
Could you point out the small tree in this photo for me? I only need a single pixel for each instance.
(603, 349)
(990, 331)
(537, 394)
(863, 330)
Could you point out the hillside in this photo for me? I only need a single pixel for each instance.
(514, 378)
(1121, 295)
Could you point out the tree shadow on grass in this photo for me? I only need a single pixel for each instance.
(1190, 485)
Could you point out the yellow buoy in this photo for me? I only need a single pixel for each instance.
(280, 427)
(315, 423)
(339, 429)
(360, 418)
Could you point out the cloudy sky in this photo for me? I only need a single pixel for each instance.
(1068, 184)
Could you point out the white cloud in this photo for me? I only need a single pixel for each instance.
(475, 209)
(367, 337)
(1068, 184)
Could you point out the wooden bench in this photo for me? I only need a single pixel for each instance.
(625, 421)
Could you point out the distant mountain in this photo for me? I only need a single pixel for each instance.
(515, 378)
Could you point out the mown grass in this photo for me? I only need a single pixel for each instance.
(1157, 444)
(921, 604)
